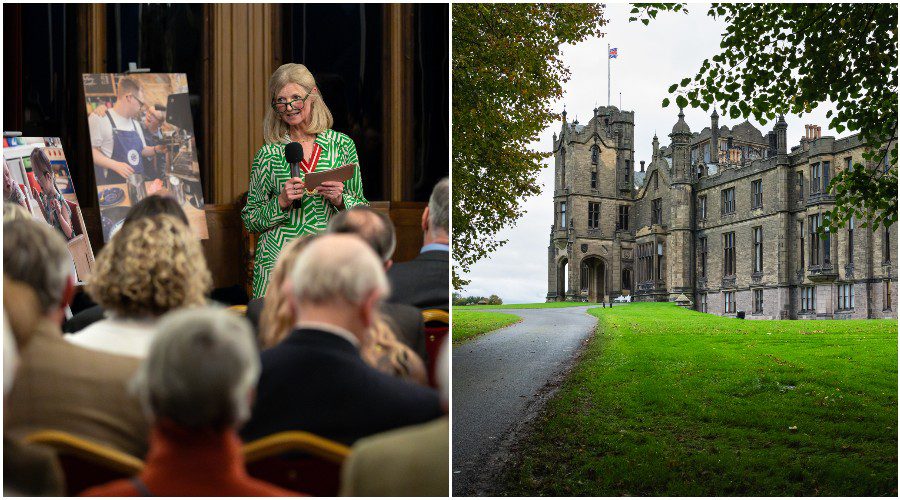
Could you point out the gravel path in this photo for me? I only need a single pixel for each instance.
(501, 381)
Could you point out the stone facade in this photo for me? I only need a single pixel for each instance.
(723, 216)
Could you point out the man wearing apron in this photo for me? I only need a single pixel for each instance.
(117, 152)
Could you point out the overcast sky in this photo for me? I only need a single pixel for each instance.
(650, 59)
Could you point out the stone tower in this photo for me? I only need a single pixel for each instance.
(680, 240)
(594, 177)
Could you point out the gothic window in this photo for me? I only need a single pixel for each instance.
(730, 305)
(627, 171)
(728, 201)
(845, 297)
(807, 299)
(702, 250)
(701, 207)
(756, 189)
(626, 279)
(702, 302)
(802, 245)
(850, 227)
(757, 250)
(729, 254)
(593, 215)
(622, 223)
(800, 183)
(826, 174)
(814, 240)
(815, 178)
(826, 246)
(595, 154)
(887, 245)
(660, 266)
(562, 215)
(757, 301)
(562, 166)
(594, 180)
(848, 164)
(657, 211)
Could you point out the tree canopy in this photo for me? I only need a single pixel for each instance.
(507, 72)
(779, 58)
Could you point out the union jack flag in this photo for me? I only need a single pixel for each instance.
(613, 53)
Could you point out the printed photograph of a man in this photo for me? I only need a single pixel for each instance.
(118, 140)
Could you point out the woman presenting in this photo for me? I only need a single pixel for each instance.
(297, 114)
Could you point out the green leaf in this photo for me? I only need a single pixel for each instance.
(665, 102)
(681, 101)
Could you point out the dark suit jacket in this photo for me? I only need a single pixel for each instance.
(83, 319)
(406, 322)
(423, 282)
(315, 381)
(254, 312)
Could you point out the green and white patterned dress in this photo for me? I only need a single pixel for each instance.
(263, 215)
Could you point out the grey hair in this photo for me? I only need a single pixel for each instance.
(374, 227)
(36, 254)
(338, 267)
(201, 369)
(439, 206)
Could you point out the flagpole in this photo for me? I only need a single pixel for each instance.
(608, 77)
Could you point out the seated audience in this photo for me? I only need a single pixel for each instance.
(412, 461)
(59, 385)
(152, 265)
(28, 470)
(276, 318)
(424, 282)
(382, 350)
(196, 408)
(377, 230)
(315, 380)
(148, 207)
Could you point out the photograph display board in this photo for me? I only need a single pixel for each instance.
(36, 177)
(142, 143)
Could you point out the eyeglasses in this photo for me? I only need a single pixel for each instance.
(138, 100)
(281, 106)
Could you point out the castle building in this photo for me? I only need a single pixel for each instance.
(726, 217)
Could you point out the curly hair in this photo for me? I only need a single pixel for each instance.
(152, 265)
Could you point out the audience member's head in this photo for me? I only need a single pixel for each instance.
(276, 319)
(10, 356)
(442, 374)
(156, 205)
(152, 265)
(436, 219)
(36, 255)
(374, 227)
(14, 211)
(43, 171)
(201, 371)
(339, 280)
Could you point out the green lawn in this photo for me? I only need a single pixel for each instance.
(467, 324)
(538, 305)
(673, 402)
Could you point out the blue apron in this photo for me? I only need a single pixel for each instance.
(127, 147)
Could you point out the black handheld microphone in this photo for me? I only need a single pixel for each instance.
(293, 154)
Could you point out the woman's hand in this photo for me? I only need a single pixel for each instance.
(292, 190)
(332, 191)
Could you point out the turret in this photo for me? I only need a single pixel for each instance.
(781, 135)
(714, 138)
(681, 139)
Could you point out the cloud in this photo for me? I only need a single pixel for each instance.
(650, 59)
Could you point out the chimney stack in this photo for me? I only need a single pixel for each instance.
(642, 165)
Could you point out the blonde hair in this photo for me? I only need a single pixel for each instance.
(150, 266)
(385, 353)
(276, 319)
(274, 129)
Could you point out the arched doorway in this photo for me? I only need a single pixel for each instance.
(593, 278)
(562, 278)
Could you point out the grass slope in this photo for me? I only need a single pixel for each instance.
(538, 305)
(673, 402)
(468, 324)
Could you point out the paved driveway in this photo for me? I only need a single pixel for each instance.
(500, 380)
